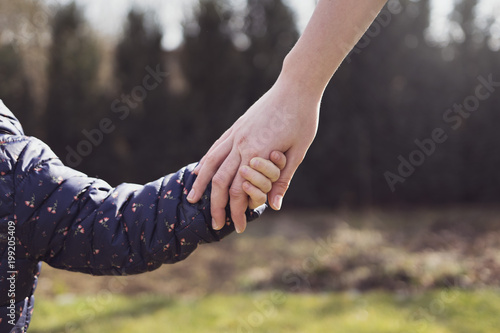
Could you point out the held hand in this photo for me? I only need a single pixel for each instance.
(285, 119)
(260, 176)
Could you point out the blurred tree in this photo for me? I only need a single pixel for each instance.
(22, 22)
(406, 101)
(141, 37)
(392, 90)
(215, 73)
(14, 87)
(72, 73)
(23, 39)
(270, 27)
(477, 140)
(145, 143)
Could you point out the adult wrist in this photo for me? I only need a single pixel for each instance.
(304, 76)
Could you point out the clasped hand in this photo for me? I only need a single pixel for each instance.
(283, 120)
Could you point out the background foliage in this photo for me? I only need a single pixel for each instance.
(367, 269)
(61, 78)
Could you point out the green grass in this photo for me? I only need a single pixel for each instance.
(441, 311)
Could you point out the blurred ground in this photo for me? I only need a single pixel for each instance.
(401, 250)
(439, 311)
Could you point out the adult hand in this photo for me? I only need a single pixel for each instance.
(285, 119)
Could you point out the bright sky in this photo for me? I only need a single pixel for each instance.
(108, 15)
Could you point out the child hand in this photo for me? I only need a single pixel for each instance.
(260, 176)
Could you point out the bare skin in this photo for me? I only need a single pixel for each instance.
(285, 119)
(260, 176)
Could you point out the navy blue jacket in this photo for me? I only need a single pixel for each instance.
(54, 214)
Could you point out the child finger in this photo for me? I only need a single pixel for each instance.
(256, 178)
(265, 167)
(257, 197)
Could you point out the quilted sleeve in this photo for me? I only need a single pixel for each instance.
(82, 224)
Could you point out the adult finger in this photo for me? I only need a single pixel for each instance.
(238, 201)
(216, 144)
(256, 197)
(212, 163)
(221, 182)
(277, 193)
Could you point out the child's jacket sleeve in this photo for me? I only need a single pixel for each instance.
(82, 224)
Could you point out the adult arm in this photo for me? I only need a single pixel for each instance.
(286, 117)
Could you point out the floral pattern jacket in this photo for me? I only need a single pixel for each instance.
(54, 214)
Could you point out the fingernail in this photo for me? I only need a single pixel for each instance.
(278, 201)
(238, 230)
(214, 225)
(191, 195)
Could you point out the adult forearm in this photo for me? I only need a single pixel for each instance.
(334, 29)
(286, 117)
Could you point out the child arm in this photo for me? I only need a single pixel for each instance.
(79, 223)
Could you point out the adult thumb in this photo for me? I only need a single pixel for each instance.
(280, 187)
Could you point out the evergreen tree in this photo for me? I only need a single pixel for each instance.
(373, 111)
(72, 73)
(270, 27)
(14, 88)
(215, 73)
(23, 24)
(144, 136)
(477, 139)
